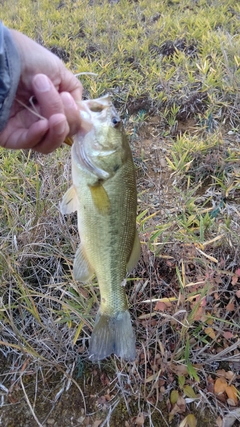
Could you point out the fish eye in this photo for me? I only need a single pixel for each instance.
(116, 121)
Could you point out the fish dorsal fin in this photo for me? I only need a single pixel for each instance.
(135, 254)
(100, 198)
(82, 270)
(69, 202)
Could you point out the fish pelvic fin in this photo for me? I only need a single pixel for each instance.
(113, 335)
(69, 202)
(82, 270)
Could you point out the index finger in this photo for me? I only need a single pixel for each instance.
(70, 83)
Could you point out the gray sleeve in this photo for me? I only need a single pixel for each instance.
(10, 70)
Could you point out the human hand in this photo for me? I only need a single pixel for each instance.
(56, 89)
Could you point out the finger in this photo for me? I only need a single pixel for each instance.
(47, 96)
(43, 136)
(71, 111)
(22, 138)
(71, 84)
(57, 132)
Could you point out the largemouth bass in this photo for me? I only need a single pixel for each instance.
(105, 198)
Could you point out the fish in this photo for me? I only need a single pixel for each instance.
(104, 194)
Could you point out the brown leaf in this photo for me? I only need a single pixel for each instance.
(230, 306)
(210, 332)
(232, 394)
(220, 386)
(179, 369)
(234, 279)
(219, 422)
(237, 272)
(181, 403)
(97, 423)
(139, 421)
(228, 335)
(160, 306)
(238, 294)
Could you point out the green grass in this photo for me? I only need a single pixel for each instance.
(173, 70)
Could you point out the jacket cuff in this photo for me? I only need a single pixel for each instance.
(10, 70)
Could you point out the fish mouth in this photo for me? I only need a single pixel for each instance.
(93, 110)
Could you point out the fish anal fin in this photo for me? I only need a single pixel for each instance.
(69, 202)
(135, 254)
(82, 269)
(100, 198)
(113, 335)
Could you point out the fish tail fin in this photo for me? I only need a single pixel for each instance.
(113, 335)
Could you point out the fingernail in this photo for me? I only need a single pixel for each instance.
(42, 83)
(60, 127)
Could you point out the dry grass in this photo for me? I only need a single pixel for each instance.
(173, 70)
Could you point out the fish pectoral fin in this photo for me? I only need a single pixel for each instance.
(113, 335)
(69, 202)
(82, 270)
(135, 254)
(100, 198)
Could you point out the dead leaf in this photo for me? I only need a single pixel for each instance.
(228, 335)
(230, 306)
(160, 306)
(189, 421)
(189, 392)
(139, 421)
(232, 394)
(234, 279)
(178, 408)
(178, 369)
(219, 422)
(237, 272)
(174, 397)
(97, 423)
(210, 332)
(220, 386)
(238, 294)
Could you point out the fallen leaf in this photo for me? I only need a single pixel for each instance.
(234, 279)
(189, 392)
(210, 332)
(237, 272)
(232, 394)
(178, 408)
(189, 421)
(228, 335)
(97, 423)
(220, 386)
(219, 422)
(230, 306)
(139, 421)
(179, 369)
(160, 306)
(238, 294)
(174, 397)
